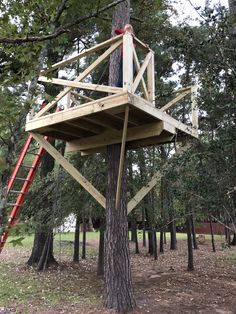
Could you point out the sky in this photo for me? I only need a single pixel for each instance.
(185, 9)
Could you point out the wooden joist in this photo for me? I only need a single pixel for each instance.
(114, 136)
(144, 105)
(79, 112)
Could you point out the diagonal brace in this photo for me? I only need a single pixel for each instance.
(70, 169)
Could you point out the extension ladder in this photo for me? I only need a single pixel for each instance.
(26, 183)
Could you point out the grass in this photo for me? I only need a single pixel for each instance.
(21, 286)
(27, 242)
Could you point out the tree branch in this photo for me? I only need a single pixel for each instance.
(61, 30)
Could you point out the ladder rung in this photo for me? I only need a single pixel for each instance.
(12, 204)
(17, 192)
(36, 154)
(22, 179)
(26, 166)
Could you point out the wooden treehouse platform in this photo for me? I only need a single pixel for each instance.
(125, 115)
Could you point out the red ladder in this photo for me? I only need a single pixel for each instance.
(20, 193)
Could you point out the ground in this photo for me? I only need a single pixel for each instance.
(163, 286)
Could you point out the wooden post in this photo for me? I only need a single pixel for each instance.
(122, 157)
(151, 79)
(127, 62)
(68, 100)
(194, 107)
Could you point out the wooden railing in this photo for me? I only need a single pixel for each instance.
(182, 93)
(130, 58)
(138, 76)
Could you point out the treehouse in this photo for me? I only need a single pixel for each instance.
(128, 115)
(97, 115)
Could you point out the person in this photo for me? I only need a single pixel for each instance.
(128, 28)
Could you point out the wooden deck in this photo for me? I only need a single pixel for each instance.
(89, 128)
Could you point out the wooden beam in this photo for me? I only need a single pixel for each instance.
(82, 54)
(114, 137)
(142, 45)
(85, 125)
(143, 84)
(75, 84)
(160, 139)
(144, 105)
(151, 80)
(143, 192)
(175, 100)
(122, 157)
(141, 72)
(194, 107)
(180, 90)
(79, 78)
(82, 96)
(164, 137)
(127, 62)
(156, 177)
(70, 169)
(78, 112)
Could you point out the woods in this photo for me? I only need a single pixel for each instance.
(184, 182)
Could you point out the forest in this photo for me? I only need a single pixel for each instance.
(65, 252)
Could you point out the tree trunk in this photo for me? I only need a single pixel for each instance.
(118, 284)
(76, 242)
(144, 227)
(212, 235)
(173, 242)
(161, 241)
(233, 242)
(155, 243)
(100, 266)
(133, 226)
(189, 241)
(195, 245)
(119, 293)
(83, 256)
(42, 251)
(136, 239)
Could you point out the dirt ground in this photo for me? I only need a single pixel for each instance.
(161, 287)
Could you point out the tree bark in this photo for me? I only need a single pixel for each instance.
(190, 247)
(173, 241)
(155, 243)
(212, 236)
(161, 241)
(136, 239)
(195, 245)
(119, 293)
(144, 227)
(42, 251)
(133, 226)
(100, 266)
(118, 284)
(83, 256)
(76, 242)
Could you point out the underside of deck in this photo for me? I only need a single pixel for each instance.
(89, 128)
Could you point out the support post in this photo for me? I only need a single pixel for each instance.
(151, 79)
(122, 157)
(127, 62)
(194, 107)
